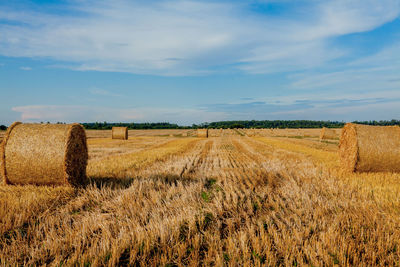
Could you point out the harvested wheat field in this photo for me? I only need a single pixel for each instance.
(202, 133)
(230, 199)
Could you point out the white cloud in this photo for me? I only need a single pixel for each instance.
(376, 74)
(187, 37)
(372, 111)
(341, 17)
(25, 68)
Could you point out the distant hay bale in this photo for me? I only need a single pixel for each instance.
(364, 148)
(44, 154)
(202, 133)
(250, 132)
(120, 133)
(300, 132)
(327, 133)
(185, 134)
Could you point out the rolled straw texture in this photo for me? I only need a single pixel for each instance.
(364, 148)
(44, 154)
(120, 133)
(202, 133)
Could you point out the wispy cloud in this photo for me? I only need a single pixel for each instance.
(25, 68)
(65, 113)
(188, 37)
(348, 108)
(102, 92)
(376, 74)
(336, 108)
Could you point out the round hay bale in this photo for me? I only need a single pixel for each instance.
(364, 148)
(202, 133)
(120, 133)
(250, 132)
(44, 154)
(327, 133)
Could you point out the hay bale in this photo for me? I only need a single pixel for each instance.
(250, 132)
(366, 148)
(202, 133)
(44, 154)
(327, 133)
(120, 133)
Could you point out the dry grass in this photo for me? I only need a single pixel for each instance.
(135, 133)
(104, 147)
(300, 133)
(235, 200)
(202, 133)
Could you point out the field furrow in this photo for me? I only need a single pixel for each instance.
(228, 200)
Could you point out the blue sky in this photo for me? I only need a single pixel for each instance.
(199, 61)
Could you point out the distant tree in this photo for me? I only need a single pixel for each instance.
(236, 125)
(3, 127)
(282, 124)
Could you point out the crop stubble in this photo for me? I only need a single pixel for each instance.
(231, 199)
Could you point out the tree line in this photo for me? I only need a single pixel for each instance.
(132, 126)
(282, 124)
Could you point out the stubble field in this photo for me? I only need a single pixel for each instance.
(239, 197)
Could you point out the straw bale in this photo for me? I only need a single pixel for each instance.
(202, 133)
(120, 133)
(251, 132)
(44, 154)
(364, 148)
(327, 133)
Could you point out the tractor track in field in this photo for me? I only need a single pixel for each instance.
(163, 195)
(191, 167)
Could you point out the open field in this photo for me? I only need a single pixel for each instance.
(273, 197)
(168, 132)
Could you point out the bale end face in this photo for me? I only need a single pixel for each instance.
(348, 148)
(76, 155)
(119, 133)
(44, 154)
(3, 171)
